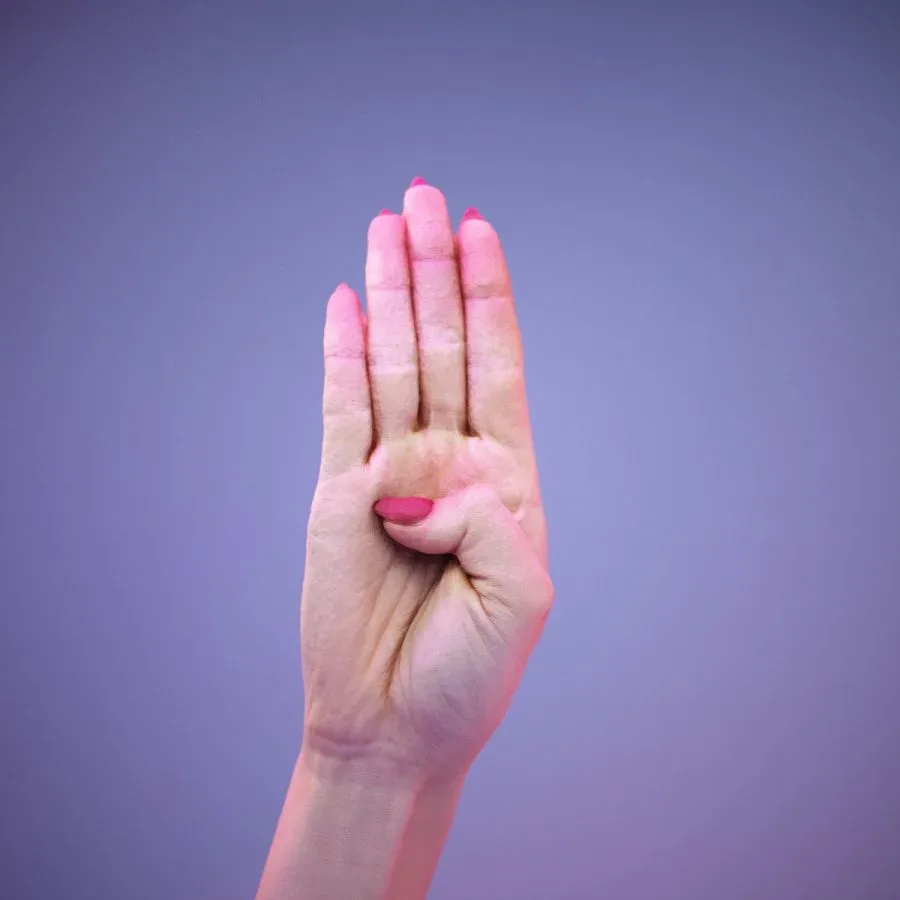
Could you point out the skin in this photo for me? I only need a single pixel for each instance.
(417, 619)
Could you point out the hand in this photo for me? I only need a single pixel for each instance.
(414, 634)
(426, 582)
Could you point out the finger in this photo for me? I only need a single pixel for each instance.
(476, 527)
(391, 335)
(496, 375)
(346, 405)
(438, 308)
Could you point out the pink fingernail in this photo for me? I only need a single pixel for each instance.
(472, 213)
(404, 510)
(417, 181)
(386, 212)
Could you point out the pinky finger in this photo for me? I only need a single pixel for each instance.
(346, 402)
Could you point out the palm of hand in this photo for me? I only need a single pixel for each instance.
(414, 637)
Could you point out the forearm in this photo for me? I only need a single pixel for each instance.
(347, 833)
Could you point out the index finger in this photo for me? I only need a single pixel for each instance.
(496, 373)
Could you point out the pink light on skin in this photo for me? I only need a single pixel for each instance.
(471, 213)
(386, 212)
(417, 181)
(403, 510)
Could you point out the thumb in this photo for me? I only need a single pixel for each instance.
(477, 528)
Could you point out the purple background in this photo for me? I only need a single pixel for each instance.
(701, 210)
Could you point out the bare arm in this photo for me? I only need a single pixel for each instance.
(347, 832)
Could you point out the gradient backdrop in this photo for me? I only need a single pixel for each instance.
(701, 208)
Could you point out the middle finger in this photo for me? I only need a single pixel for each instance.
(438, 308)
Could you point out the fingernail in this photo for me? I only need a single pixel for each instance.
(404, 510)
(417, 181)
(386, 212)
(472, 213)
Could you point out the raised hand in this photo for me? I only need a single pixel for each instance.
(426, 580)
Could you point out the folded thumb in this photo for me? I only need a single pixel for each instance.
(477, 528)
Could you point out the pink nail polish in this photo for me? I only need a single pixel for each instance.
(403, 510)
(417, 181)
(386, 212)
(472, 213)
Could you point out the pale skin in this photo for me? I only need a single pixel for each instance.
(417, 619)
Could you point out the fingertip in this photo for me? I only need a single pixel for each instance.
(476, 227)
(343, 299)
(424, 197)
(479, 246)
(344, 330)
(387, 225)
(403, 510)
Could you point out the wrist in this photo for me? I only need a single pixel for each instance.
(338, 768)
(358, 828)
